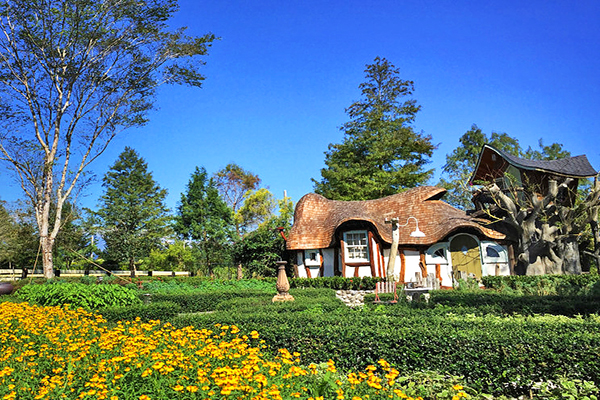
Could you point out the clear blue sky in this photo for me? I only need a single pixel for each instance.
(278, 81)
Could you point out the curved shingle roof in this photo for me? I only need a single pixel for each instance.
(575, 167)
(317, 218)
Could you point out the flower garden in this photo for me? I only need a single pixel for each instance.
(310, 349)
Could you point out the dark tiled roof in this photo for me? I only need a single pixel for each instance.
(575, 167)
(317, 218)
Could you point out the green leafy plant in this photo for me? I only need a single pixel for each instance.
(89, 297)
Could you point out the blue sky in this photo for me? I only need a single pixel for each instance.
(280, 77)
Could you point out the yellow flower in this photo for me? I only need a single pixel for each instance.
(178, 388)
(457, 387)
(144, 397)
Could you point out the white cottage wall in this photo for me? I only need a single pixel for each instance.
(412, 259)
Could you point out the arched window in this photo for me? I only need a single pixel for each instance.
(491, 252)
(440, 253)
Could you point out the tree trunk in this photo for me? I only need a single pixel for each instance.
(47, 246)
(132, 267)
(569, 250)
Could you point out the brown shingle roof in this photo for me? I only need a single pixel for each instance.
(489, 167)
(317, 218)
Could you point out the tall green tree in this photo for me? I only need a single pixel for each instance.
(461, 163)
(381, 152)
(132, 211)
(236, 186)
(259, 206)
(19, 241)
(204, 219)
(73, 74)
(7, 234)
(258, 250)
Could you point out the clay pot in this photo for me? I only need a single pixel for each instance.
(6, 288)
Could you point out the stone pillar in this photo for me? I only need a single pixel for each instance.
(283, 286)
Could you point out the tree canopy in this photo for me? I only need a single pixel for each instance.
(204, 218)
(381, 152)
(462, 161)
(73, 73)
(134, 217)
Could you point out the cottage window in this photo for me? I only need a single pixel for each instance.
(357, 246)
(491, 252)
(312, 258)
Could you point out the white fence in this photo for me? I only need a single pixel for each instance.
(14, 274)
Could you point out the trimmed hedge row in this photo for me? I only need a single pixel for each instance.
(509, 303)
(545, 284)
(154, 311)
(206, 301)
(308, 300)
(336, 283)
(500, 355)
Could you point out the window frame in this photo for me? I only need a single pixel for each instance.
(348, 247)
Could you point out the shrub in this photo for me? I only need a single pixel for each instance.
(336, 283)
(207, 301)
(502, 355)
(146, 312)
(89, 297)
(544, 284)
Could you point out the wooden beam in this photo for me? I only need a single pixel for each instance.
(402, 266)
(371, 253)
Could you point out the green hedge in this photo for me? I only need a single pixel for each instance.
(206, 301)
(146, 312)
(495, 354)
(336, 283)
(308, 300)
(481, 301)
(545, 284)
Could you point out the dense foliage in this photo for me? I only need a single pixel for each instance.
(205, 220)
(61, 353)
(497, 354)
(462, 161)
(133, 214)
(90, 297)
(73, 74)
(494, 339)
(381, 152)
(545, 284)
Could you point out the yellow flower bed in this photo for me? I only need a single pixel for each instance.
(55, 353)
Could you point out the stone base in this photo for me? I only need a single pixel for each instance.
(283, 297)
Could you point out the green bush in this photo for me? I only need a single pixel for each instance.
(146, 312)
(336, 283)
(200, 285)
(500, 355)
(207, 301)
(487, 301)
(90, 297)
(308, 300)
(545, 284)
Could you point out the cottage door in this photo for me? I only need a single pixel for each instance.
(464, 251)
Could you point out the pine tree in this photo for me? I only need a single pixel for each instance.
(381, 153)
(133, 214)
(205, 219)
